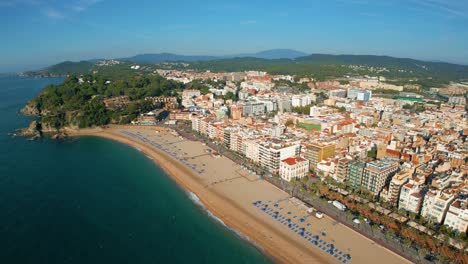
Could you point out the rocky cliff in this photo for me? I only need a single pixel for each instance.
(30, 110)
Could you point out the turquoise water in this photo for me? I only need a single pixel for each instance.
(91, 200)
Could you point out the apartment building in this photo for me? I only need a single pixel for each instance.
(457, 215)
(354, 175)
(410, 198)
(253, 109)
(342, 169)
(377, 174)
(236, 142)
(436, 204)
(251, 149)
(317, 152)
(395, 185)
(271, 153)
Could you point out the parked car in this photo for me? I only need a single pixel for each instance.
(356, 220)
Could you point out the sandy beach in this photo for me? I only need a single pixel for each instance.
(265, 214)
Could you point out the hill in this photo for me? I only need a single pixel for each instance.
(272, 54)
(319, 66)
(62, 69)
(170, 57)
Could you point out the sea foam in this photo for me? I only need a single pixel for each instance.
(198, 202)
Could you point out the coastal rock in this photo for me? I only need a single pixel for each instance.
(60, 135)
(33, 131)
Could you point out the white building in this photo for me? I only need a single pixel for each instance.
(436, 204)
(300, 100)
(250, 148)
(291, 168)
(410, 198)
(272, 153)
(457, 216)
(196, 124)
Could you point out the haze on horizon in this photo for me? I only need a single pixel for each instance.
(38, 33)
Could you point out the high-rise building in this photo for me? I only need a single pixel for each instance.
(354, 174)
(395, 186)
(342, 169)
(317, 152)
(272, 153)
(377, 174)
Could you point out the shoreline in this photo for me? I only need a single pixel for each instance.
(161, 160)
(273, 243)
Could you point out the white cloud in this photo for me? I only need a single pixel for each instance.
(444, 7)
(51, 8)
(53, 13)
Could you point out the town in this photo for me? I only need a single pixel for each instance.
(403, 155)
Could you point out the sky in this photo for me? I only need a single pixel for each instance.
(39, 33)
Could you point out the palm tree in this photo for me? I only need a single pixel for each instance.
(390, 233)
(422, 252)
(375, 227)
(348, 213)
(407, 242)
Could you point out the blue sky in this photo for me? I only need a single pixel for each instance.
(37, 33)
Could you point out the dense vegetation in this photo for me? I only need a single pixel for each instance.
(118, 71)
(62, 69)
(322, 67)
(79, 101)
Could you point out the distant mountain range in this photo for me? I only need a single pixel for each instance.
(271, 54)
(164, 57)
(285, 61)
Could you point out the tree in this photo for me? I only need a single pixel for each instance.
(375, 228)
(348, 213)
(372, 153)
(407, 242)
(289, 123)
(422, 252)
(389, 233)
(204, 90)
(230, 96)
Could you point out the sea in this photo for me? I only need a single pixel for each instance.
(92, 200)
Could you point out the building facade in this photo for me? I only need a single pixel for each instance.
(457, 215)
(292, 168)
(377, 174)
(318, 152)
(354, 175)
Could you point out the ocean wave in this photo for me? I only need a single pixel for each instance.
(198, 202)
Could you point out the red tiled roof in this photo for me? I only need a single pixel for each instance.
(293, 161)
